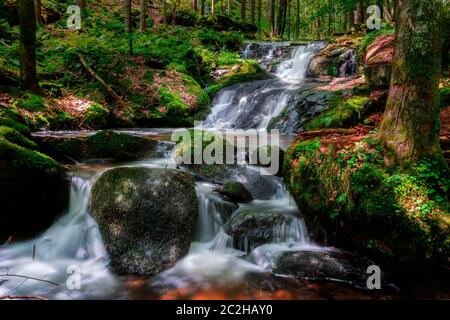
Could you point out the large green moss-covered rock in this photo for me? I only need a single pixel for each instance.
(14, 136)
(146, 216)
(33, 190)
(103, 144)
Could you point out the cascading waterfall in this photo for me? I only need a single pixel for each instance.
(252, 105)
(74, 239)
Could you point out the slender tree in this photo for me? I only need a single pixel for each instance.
(410, 127)
(243, 10)
(142, 15)
(28, 46)
(253, 11)
(202, 7)
(127, 15)
(194, 5)
(38, 11)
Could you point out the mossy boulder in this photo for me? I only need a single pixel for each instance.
(245, 71)
(101, 145)
(147, 217)
(14, 136)
(235, 191)
(342, 113)
(34, 189)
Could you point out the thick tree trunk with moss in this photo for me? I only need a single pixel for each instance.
(410, 128)
(28, 46)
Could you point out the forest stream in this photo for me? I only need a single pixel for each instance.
(217, 265)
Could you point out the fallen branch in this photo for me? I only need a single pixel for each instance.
(28, 278)
(101, 81)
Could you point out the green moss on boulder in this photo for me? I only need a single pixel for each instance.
(16, 137)
(33, 190)
(246, 71)
(235, 191)
(350, 198)
(103, 144)
(147, 217)
(341, 113)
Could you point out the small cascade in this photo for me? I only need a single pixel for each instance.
(348, 67)
(253, 105)
(72, 243)
(294, 69)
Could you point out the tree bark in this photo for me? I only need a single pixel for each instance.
(297, 30)
(212, 8)
(259, 15)
(38, 12)
(410, 127)
(202, 7)
(252, 11)
(142, 15)
(243, 10)
(272, 18)
(127, 15)
(194, 5)
(28, 46)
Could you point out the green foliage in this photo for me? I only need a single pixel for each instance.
(403, 215)
(31, 102)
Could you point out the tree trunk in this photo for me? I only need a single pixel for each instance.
(194, 5)
(259, 15)
(202, 7)
(229, 7)
(410, 127)
(127, 15)
(212, 7)
(272, 18)
(289, 19)
(252, 11)
(142, 15)
(28, 46)
(297, 31)
(243, 10)
(38, 12)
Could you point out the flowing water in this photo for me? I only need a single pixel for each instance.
(252, 105)
(215, 260)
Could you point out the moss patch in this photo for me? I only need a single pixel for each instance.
(16, 137)
(349, 197)
(104, 144)
(341, 113)
(246, 71)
